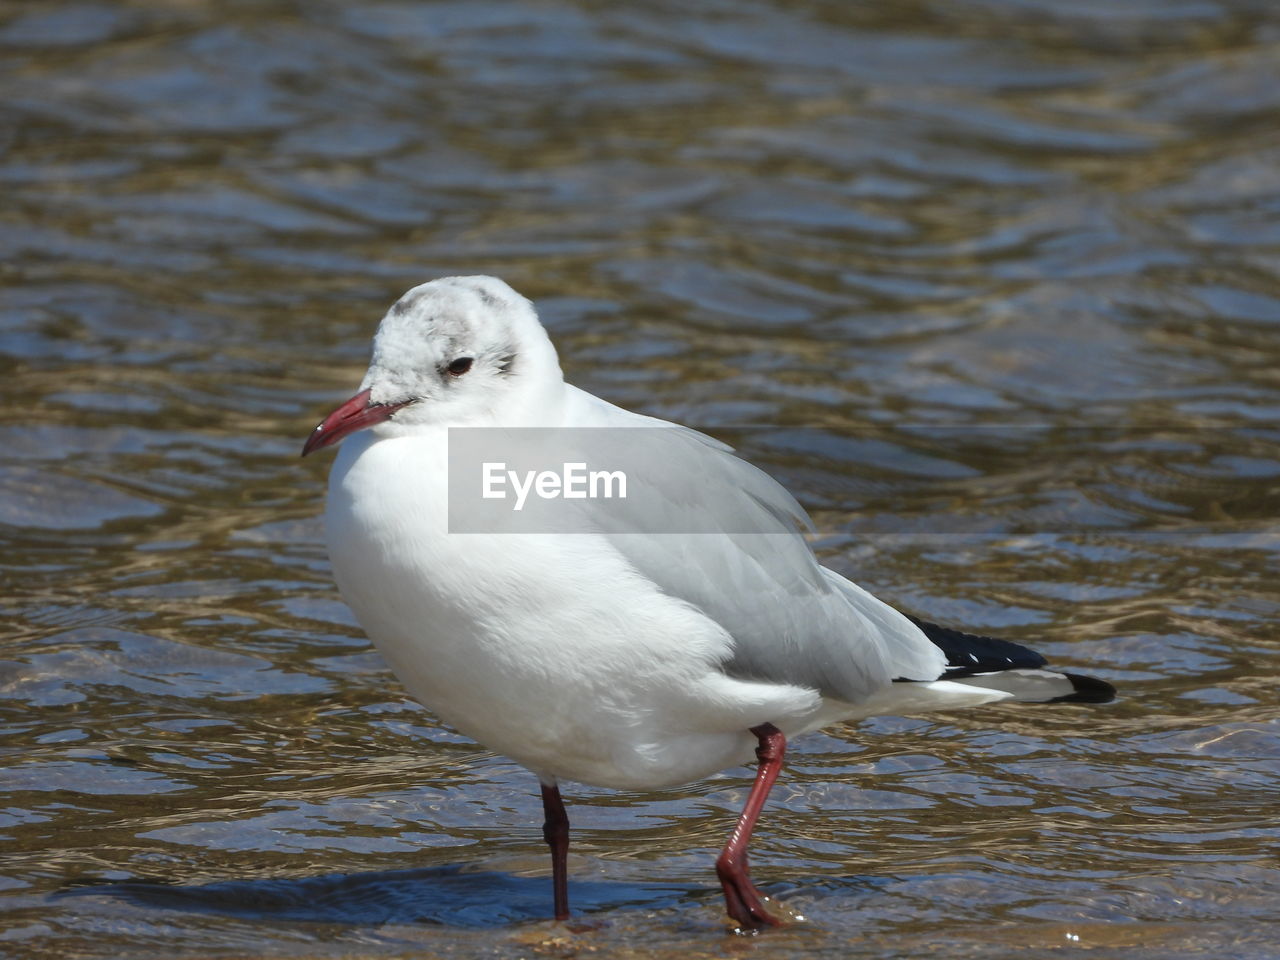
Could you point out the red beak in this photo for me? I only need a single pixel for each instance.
(356, 414)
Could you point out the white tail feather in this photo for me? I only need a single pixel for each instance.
(1029, 685)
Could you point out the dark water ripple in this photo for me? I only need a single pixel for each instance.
(993, 285)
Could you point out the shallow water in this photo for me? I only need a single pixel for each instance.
(1005, 272)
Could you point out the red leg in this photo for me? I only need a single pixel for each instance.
(741, 898)
(556, 831)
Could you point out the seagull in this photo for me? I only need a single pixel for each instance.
(614, 657)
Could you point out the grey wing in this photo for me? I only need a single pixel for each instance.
(732, 547)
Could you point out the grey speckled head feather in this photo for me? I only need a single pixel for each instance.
(466, 346)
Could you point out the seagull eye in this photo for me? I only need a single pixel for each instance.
(460, 366)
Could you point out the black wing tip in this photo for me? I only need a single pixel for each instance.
(1087, 690)
(970, 653)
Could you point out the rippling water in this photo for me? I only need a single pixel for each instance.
(1007, 273)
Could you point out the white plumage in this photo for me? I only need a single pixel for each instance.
(611, 658)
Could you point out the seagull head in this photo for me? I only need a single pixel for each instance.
(455, 351)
